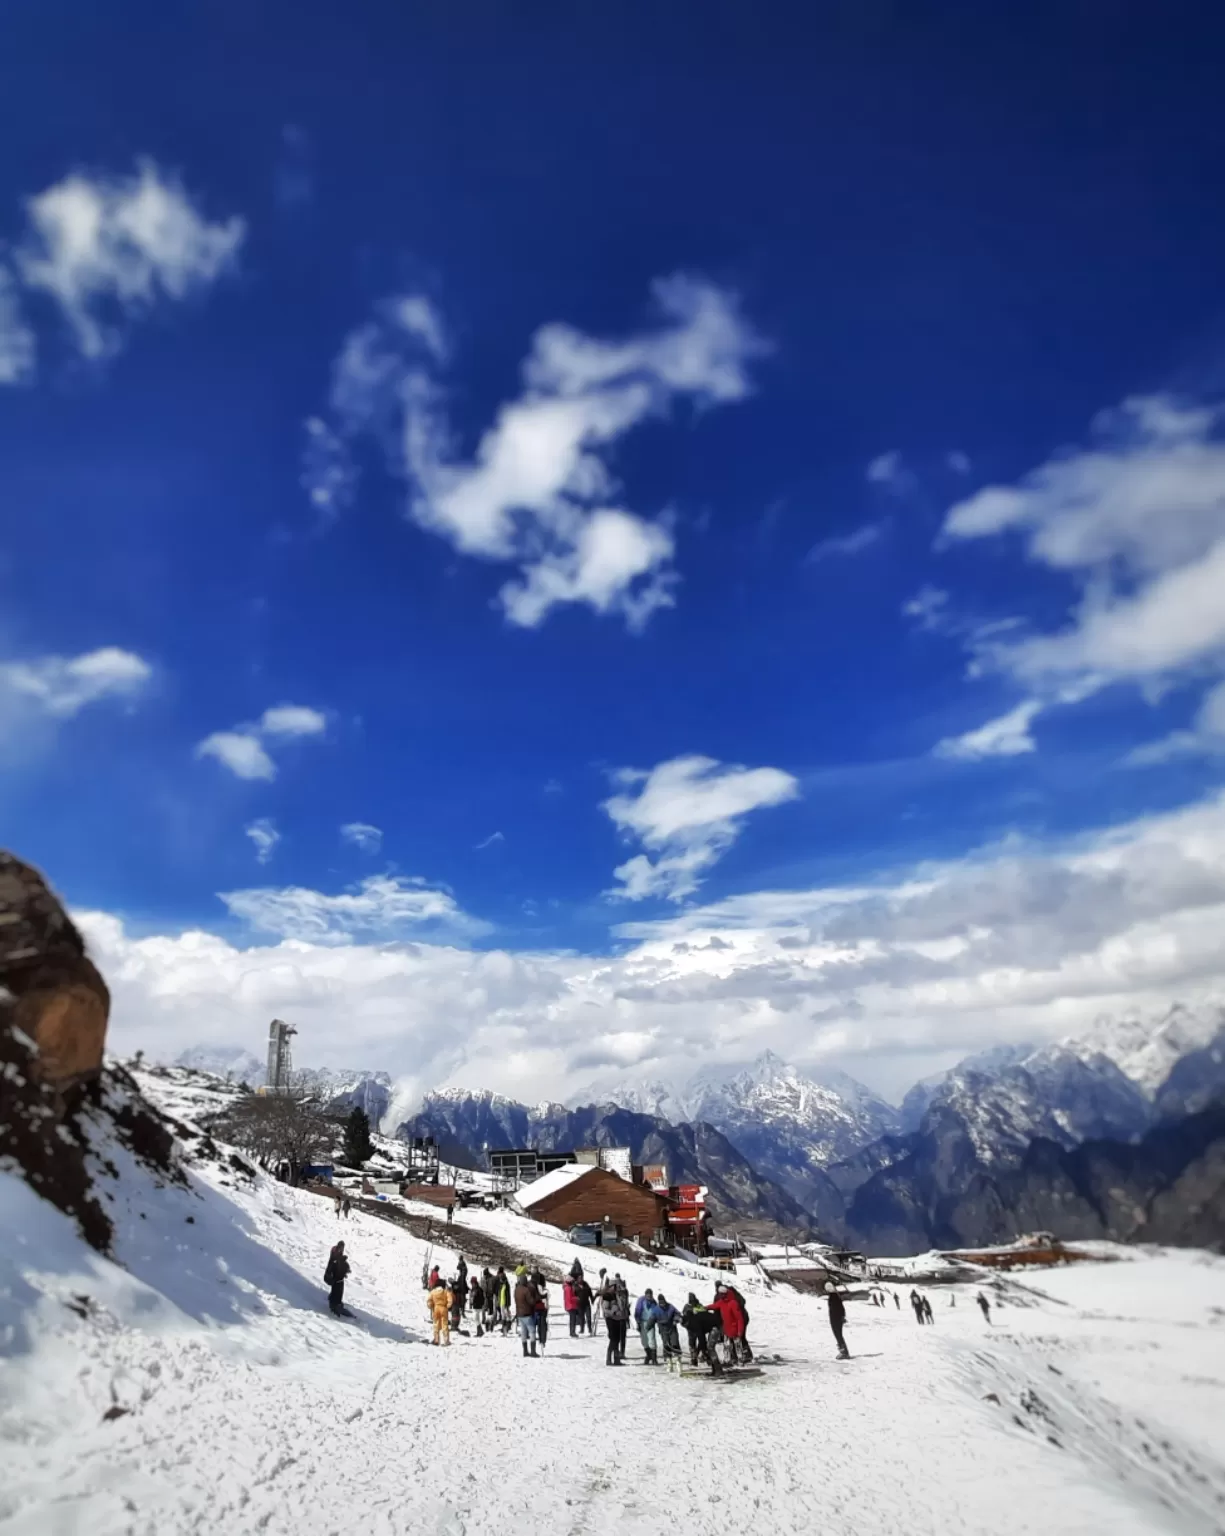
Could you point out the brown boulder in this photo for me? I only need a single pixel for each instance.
(56, 995)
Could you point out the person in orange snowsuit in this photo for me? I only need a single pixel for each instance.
(439, 1302)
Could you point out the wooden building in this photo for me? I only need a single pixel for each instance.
(577, 1195)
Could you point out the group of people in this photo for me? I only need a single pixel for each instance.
(658, 1322)
(921, 1307)
(495, 1302)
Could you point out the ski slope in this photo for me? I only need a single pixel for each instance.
(206, 1388)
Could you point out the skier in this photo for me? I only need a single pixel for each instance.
(334, 1276)
(438, 1304)
(985, 1306)
(700, 1322)
(450, 1213)
(526, 1298)
(837, 1321)
(916, 1303)
(644, 1320)
(570, 1302)
(666, 1319)
(897, 1301)
(346, 1205)
(927, 1310)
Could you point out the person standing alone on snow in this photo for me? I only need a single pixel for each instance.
(927, 1310)
(837, 1321)
(334, 1277)
(985, 1306)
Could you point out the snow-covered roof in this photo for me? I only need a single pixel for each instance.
(549, 1183)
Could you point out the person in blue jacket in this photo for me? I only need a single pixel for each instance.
(667, 1319)
(645, 1313)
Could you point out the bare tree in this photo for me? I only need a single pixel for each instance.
(286, 1127)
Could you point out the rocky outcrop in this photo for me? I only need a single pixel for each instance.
(53, 993)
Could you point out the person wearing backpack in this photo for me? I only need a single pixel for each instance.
(334, 1277)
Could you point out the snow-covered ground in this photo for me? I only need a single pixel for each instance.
(206, 1388)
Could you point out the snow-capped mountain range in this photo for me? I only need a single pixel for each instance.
(820, 1138)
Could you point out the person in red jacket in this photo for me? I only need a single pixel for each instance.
(569, 1300)
(733, 1317)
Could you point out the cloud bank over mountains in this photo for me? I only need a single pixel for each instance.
(886, 980)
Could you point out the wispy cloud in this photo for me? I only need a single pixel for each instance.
(889, 471)
(108, 248)
(494, 837)
(687, 813)
(244, 748)
(62, 685)
(380, 907)
(1136, 519)
(853, 543)
(1007, 736)
(364, 837)
(539, 491)
(264, 835)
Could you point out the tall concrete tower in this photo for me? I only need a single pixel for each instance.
(280, 1057)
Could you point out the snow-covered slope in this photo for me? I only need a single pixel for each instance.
(201, 1386)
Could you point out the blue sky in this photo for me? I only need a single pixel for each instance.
(652, 478)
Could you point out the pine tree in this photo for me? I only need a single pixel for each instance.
(358, 1148)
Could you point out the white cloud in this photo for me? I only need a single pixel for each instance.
(364, 837)
(264, 835)
(110, 247)
(382, 906)
(889, 471)
(419, 318)
(488, 842)
(244, 748)
(329, 476)
(292, 720)
(239, 751)
(539, 492)
(928, 608)
(688, 813)
(17, 344)
(63, 685)
(1137, 520)
(958, 462)
(853, 543)
(1007, 736)
(888, 979)
(1205, 738)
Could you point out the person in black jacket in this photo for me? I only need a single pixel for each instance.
(699, 1323)
(334, 1276)
(837, 1320)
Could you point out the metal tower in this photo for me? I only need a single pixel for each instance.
(280, 1057)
